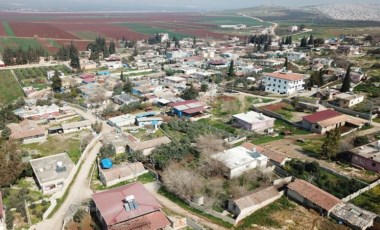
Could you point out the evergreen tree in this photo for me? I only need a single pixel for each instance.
(346, 81)
(281, 48)
(311, 40)
(303, 42)
(258, 47)
(266, 47)
(286, 64)
(231, 70)
(204, 87)
(112, 48)
(122, 78)
(56, 82)
(194, 41)
(331, 143)
(127, 86)
(6, 133)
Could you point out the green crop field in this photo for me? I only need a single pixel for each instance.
(146, 29)
(228, 20)
(13, 42)
(87, 35)
(8, 29)
(9, 88)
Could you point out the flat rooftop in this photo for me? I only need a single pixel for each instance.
(238, 156)
(122, 118)
(354, 215)
(252, 117)
(371, 150)
(52, 168)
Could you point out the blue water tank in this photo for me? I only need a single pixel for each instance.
(106, 163)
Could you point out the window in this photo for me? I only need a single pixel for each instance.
(279, 81)
(373, 164)
(274, 80)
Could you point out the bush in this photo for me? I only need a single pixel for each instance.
(360, 140)
(78, 216)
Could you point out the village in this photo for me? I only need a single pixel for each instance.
(198, 133)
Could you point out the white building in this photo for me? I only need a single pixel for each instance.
(239, 160)
(76, 126)
(253, 121)
(293, 28)
(176, 54)
(123, 120)
(175, 81)
(284, 82)
(295, 56)
(164, 37)
(348, 100)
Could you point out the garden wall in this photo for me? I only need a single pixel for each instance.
(361, 191)
(350, 112)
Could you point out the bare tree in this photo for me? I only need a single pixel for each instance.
(98, 97)
(209, 144)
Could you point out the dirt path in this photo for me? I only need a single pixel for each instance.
(153, 188)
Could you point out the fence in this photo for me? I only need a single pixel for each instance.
(193, 224)
(350, 112)
(361, 191)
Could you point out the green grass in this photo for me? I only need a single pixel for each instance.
(217, 124)
(53, 43)
(369, 200)
(312, 146)
(8, 29)
(15, 43)
(377, 119)
(58, 144)
(266, 139)
(143, 135)
(145, 178)
(182, 204)
(151, 30)
(10, 90)
(87, 35)
(232, 20)
(282, 126)
(263, 216)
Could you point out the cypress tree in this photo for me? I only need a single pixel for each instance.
(346, 81)
(231, 71)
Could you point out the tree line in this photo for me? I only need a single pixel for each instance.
(100, 46)
(21, 56)
(70, 52)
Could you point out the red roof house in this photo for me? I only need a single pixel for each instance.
(187, 108)
(322, 115)
(324, 121)
(129, 207)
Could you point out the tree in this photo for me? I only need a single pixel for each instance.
(303, 42)
(286, 64)
(56, 82)
(204, 87)
(107, 151)
(331, 143)
(127, 86)
(11, 165)
(346, 81)
(112, 49)
(190, 93)
(311, 40)
(231, 71)
(302, 27)
(6, 133)
(360, 140)
(194, 42)
(122, 78)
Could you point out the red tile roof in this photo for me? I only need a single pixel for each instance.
(314, 194)
(192, 111)
(286, 76)
(154, 220)
(273, 155)
(182, 103)
(322, 115)
(111, 206)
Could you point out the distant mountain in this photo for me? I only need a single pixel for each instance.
(354, 12)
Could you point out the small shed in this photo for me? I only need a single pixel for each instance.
(106, 163)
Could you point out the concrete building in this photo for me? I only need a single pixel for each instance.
(293, 29)
(175, 81)
(146, 147)
(149, 121)
(121, 173)
(122, 120)
(353, 216)
(125, 99)
(76, 126)
(348, 100)
(253, 121)
(271, 62)
(187, 108)
(38, 112)
(311, 196)
(245, 206)
(275, 157)
(284, 82)
(27, 131)
(239, 160)
(295, 56)
(52, 171)
(129, 207)
(367, 156)
(118, 140)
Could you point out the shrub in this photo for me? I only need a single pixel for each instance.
(360, 140)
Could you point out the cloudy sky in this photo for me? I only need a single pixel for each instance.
(160, 5)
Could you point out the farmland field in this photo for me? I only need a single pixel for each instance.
(51, 30)
(9, 88)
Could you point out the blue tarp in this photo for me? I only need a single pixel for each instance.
(106, 163)
(104, 73)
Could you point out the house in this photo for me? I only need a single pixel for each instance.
(311, 196)
(88, 78)
(275, 157)
(27, 131)
(327, 120)
(187, 108)
(118, 140)
(76, 126)
(153, 121)
(129, 207)
(324, 61)
(122, 120)
(271, 62)
(353, 216)
(348, 100)
(284, 82)
(239, 160)
(176, 54)
(38, 112)
(121, 173)
(52, 171)
(253, 121)
(356, 76)
(143, 90)
(175, 81)
(125, 99)
(247, 205)
(293, 29)
(218, 64)
(367, 156)
(146, 147)
(295, 56)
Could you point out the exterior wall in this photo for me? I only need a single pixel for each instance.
(76, 129)
(144, 123)
(350, 103)
(366, 163)
(306, 125)
(246, 167)
(36, 139)
(298, 198)
(322, 130)
(52, 186)
(119, 180)
(123, 123)
(256, 126)
(281, 86)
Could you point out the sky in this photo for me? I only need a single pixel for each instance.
(160, 5)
